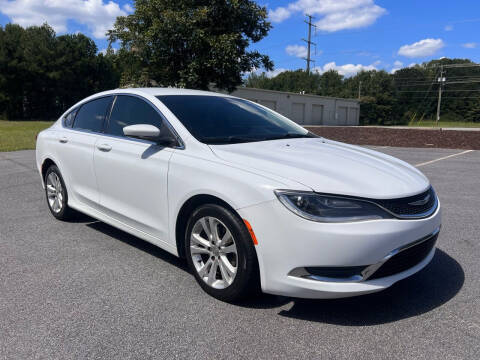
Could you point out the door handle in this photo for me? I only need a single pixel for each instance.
(104, 147)
(63, 140)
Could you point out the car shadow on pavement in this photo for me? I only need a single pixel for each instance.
(138, 244)
(430, 288)
(263, 301)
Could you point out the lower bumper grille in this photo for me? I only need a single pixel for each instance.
(406, 259)
(397, 261)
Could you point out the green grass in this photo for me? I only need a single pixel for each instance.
(446, 124)
(20, 135)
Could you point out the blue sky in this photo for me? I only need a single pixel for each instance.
(351, 34)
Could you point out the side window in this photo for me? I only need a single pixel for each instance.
(68, 119)
(130, 110)
(92, 114)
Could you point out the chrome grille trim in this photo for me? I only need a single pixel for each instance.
(369, 270)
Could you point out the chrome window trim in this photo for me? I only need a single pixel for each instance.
(78, 109)
(181, 143)
(63, 118)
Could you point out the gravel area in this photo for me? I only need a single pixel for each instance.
(401, 137)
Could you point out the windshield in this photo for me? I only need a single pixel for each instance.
(225, 120)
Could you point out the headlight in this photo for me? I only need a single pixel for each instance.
(326, 208)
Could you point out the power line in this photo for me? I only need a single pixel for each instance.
(429, 78)
(448, 90)
(459, 65)
(423, 101)
(465, 82)
(447, 97)
(472, 81)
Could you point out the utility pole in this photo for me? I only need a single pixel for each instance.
(309, 42)
(441, 81)
(359, 89)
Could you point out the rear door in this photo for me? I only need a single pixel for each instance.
(132, 173)
(76, 145)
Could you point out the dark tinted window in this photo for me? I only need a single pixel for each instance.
(130, 110)
(92, 114)
(220, 120)
(68, 119)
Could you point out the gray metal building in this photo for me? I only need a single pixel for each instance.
(305, 109)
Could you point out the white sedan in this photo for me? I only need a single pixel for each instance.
(249, 198)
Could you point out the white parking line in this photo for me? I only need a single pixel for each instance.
(443, 158)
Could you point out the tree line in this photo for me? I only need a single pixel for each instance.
(162, 43)
(206, 44)
(42, 74)
(409, 95)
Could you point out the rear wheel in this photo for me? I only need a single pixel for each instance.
(220, 253)
(56, 193)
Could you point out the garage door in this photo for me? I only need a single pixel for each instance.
(298, 113)
(352, 116)
(317, 114)
(342, 115)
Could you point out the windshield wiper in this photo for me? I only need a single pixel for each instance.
(291, 135)
(229, 139)
(235, 139)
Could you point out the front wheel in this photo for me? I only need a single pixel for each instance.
(220, 253)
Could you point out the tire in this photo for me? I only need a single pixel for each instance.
(202, 255)
(56, 194)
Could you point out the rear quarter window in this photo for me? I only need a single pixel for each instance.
(68, 119)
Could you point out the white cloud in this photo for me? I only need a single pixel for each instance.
(422, 48)
(97, 15)
(471, 45)
(334, 15)
(279, 14)
(269, 74)
(397, 65)
(297, 50)
(275, 72)
(448, 28)
(128, 8)
(346, 70)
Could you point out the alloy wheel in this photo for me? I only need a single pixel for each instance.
(54, 192)
(214, 252)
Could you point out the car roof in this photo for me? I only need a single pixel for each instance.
(151, 91)
(158, 91)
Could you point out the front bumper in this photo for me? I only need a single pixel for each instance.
(287, 243)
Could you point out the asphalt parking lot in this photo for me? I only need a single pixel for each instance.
(87, 290)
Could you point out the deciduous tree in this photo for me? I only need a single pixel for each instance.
(191, 43)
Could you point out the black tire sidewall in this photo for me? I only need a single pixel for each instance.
(247, 277)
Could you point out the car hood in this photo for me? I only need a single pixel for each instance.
(328, 166)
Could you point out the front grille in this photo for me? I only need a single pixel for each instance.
(405, 259)
(411, 206)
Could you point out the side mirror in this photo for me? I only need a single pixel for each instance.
(142, 131)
